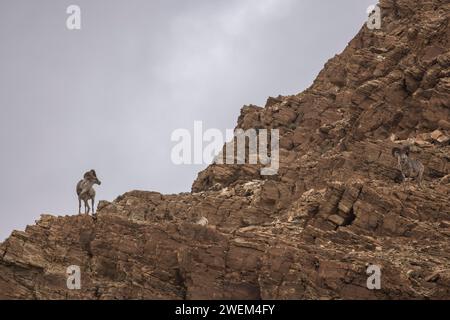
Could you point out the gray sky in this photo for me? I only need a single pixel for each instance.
(109, 95)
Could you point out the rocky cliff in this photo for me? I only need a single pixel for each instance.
(310, 232)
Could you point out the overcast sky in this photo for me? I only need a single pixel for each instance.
(109, 96)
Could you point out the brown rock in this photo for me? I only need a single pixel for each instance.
(282, 237)
(337, 220)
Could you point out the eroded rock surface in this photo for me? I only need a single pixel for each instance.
(336, 206)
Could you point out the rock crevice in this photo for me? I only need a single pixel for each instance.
(335, 207)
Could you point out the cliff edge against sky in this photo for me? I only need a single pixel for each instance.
(336, 206)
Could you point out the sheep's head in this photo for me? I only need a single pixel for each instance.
(401, 153)
(92, 176)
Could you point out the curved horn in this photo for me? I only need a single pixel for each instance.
(395, 152)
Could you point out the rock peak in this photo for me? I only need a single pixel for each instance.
(336, 206)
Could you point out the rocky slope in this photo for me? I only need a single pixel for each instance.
(310, 232)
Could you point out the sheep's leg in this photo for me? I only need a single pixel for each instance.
(420, 177)
(79, 205)
(401, 169)
(93, 207)
(86, 206)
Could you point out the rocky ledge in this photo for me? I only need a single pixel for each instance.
(310, 232)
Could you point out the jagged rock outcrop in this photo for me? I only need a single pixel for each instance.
(310, 232)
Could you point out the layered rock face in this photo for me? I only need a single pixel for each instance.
(336, 206)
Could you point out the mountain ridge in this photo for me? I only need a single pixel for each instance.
(310, 232)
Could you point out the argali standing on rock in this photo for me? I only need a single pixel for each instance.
(408, 167)
(86, 192)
